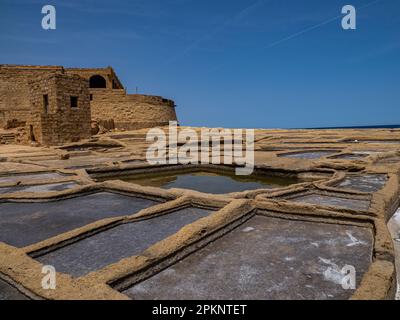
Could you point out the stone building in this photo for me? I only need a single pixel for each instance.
(109, 101)
(60, 110)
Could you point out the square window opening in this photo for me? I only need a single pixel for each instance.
(74, 102)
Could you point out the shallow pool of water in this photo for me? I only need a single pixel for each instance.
(350, 156)
(308, 154)
(203, 181)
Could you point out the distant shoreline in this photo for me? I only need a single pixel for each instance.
(393, 126)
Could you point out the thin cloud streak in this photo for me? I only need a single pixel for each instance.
(306, 30)
(240, 15)
(299, 33)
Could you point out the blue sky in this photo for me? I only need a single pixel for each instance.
(247, 63)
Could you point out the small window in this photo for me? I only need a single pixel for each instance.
(91, 97)
(74, 102)
(46, 103)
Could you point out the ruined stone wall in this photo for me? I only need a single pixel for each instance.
(60, 122)
(132, 111)
(14, 90)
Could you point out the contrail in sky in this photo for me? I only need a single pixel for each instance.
(299, 33)
(294, 35)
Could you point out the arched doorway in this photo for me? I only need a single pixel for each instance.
(97, 81)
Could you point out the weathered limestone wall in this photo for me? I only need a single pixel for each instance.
(60, 122)
(131, 111)
(111, 103)
(108, 74)
(14, 90)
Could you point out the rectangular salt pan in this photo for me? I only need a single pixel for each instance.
(8, 292)
(266, 258)
(363, 183)
(25, 223)
(31, 177)
(308, 155)
(123, 241)
(332, 201)
(208, 182)
(40, 188)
